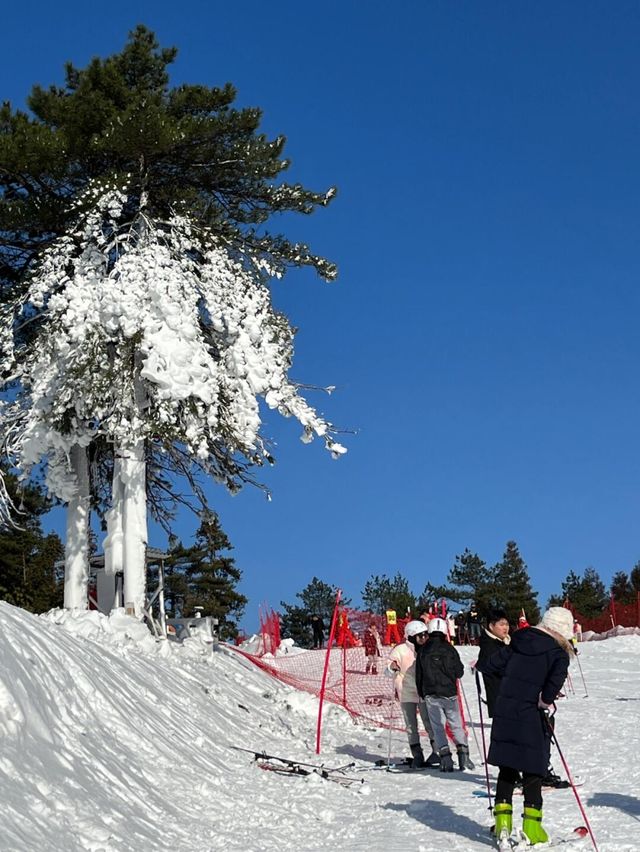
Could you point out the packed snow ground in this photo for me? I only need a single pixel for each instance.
(113, 742)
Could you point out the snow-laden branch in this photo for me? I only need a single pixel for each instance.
(124, 299)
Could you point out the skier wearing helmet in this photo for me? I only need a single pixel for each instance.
(438, 666)
(401, 664)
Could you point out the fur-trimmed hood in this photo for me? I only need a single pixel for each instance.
(532, 641)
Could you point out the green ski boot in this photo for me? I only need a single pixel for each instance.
(503, 812)
(532, 826)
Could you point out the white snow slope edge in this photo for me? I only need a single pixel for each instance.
(111, 741)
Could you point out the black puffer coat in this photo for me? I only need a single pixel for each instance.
(489, 645)
(438, 666)
(533, 664)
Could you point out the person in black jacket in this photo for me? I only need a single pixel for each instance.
(438, 667)
(492, 639)
(532, 669)
(317, 625)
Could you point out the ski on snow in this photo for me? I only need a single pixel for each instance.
(522, 844)
(286, 766)
(482, 794)
(400, 766)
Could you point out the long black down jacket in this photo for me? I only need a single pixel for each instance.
(533, 665)
(438, 666)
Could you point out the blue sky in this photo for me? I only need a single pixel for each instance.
(483, 332)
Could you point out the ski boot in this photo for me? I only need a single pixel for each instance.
(418, 756)
(503, 812)
(446, 761)
(553, 780)
(464, 761)
(434, 757)
(532, 826)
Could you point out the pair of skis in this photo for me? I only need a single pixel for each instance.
(286, 766)
(482, 794)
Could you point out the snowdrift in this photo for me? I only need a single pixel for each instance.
(112, 742)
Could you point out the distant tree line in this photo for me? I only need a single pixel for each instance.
(470, 582)
(204, 575)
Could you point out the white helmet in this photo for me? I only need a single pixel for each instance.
(438, 624)
(413, 628)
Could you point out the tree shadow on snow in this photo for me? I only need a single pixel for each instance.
(441, 817)
(627, 804)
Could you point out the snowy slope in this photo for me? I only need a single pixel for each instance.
(113, 742)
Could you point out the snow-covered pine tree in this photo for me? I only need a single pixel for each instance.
(137, 330)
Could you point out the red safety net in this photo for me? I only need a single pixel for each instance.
(269, 629)
(615, 615)
(355, 679)
(367, 697)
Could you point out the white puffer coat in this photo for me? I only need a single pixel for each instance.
(405, 679)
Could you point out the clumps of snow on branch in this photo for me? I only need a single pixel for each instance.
(125, 302)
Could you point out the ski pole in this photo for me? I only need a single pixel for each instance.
(391, 713)
(570, 687)
(484, 744)
(554, 739)
(584, 683)
(473, 730)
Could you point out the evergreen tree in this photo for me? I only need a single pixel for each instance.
(634, 578)
(592, 598)
(512, 586)
(213, 577)
(586, 594)
(295, 624)
(471, 582)
(201, 576)
(318, 598)
(381, 593)
(621, 588)
(175, 578)
(570, 588)
(136, 323)
(28, 574)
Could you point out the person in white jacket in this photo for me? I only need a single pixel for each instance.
(402, 665)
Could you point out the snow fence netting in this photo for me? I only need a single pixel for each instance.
(355, 679)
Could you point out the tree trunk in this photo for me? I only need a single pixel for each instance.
(112, 545)
(134, 527)
(76, 562)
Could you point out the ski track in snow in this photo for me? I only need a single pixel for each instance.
(112, 742)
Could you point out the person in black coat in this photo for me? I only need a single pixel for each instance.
(492, 639)
(317, 625)
(532, 670)
(438, 667)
